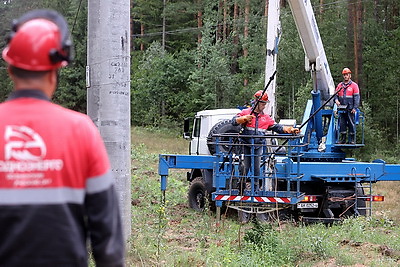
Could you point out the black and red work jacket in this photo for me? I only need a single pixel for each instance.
(259, 125)
(349, 95)
(56, 187)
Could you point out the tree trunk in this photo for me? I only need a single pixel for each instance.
(360, 39)
(321, 7)
(358, 44)
(234, 65)
(225, 25)
(246, 25)
(219, 25)
(350, 34)
(246, 34)
(142, 35)
(163, 25)
(355, 42)
(132, 28)
(266, 3)
(376, 13)
(199, 21)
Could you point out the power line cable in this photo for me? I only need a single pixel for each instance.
(76, 16)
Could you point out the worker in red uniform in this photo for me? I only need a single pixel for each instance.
(348, 96)
(56, 184)
(257, 123)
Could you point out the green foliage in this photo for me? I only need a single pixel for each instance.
(333, 27)
(262, 235)
(185, 77)
(302, 96)
(160, 92)
(266, 242)
(373, 136)
(172, 234)
(71, 92)
(215, 71)
(381, 79)
(10, 10)
(149, 14)
(211, 84)
(180, 23)
(291, 75)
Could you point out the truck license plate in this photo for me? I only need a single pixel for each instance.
(307, 205)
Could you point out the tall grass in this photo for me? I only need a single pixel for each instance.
(171, 234)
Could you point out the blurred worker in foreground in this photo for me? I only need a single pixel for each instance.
(56, 185)
(257, 123)
(349, 96)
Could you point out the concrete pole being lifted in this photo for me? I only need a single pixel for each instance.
(108, 90)
(273, 35)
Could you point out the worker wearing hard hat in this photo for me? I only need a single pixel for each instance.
(255, 122)
(348, 95)
(56, 183)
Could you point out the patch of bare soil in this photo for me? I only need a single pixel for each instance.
(370, 251)
(179, 234)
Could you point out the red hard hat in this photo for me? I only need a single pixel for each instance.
(39, 42)
(346, 71)
(262, 97)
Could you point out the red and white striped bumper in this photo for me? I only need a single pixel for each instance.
(284, 200)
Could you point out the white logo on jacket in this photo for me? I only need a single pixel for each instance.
(25, 162)
(23, 143)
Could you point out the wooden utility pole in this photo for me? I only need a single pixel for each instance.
(108, 90)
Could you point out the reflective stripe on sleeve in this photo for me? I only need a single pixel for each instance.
(37, 196)
(99, 183)
(259, 129)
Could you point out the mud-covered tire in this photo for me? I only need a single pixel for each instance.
(244, 217)
(222, 127)
(263, 217)
(197, 195)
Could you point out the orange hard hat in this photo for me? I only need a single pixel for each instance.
(39, 41)
(261, 97)
(346, 71)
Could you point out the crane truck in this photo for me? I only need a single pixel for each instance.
(306, 177)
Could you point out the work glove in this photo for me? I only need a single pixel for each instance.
(291, 130)
(244, 119)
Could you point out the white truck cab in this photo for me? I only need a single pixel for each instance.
(204, 122)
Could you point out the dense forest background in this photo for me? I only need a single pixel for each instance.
(203, 54)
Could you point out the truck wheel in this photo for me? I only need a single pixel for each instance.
(222, 127)
(244, 217)
(283, 214)
(263, 217)
(197, 194)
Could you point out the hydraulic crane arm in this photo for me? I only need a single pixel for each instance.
(312, 44)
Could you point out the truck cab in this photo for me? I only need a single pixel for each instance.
(204, 124)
